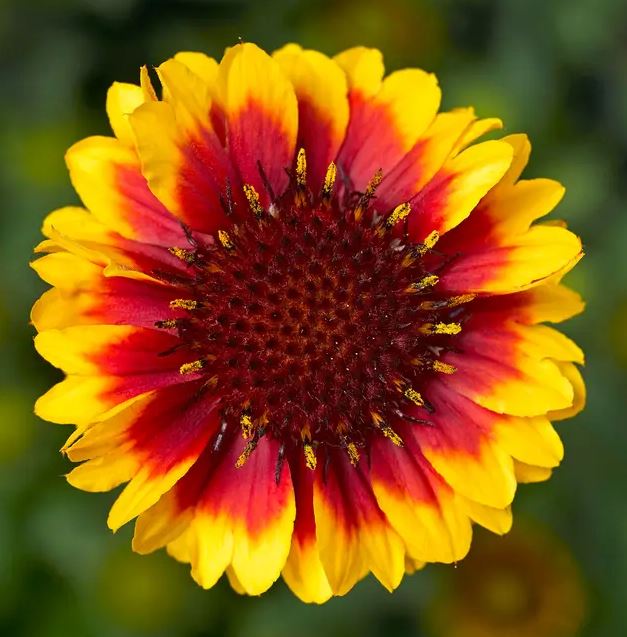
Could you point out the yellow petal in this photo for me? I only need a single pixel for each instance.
(364, 69)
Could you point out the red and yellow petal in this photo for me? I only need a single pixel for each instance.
(259, 119)
(385, 126)
(353, 534)
(419, 504)
(323, 111)
(245, 519)
(106, 175)
(457, 188)
(303, 571)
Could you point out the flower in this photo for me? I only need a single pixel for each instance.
(300, 316)
(524, 585)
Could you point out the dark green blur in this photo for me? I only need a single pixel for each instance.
(555, 69)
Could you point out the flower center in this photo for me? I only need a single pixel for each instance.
(316, 321)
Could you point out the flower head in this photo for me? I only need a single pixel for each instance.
(300, 316)
(526, 585)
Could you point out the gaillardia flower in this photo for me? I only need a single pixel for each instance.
(301, 315)
(526, 585)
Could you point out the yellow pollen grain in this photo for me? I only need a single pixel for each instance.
(247, 425)
(432, 239)
(252, 196)
(429, 281)
(441, 328)
(353, 454)
(411, 394)
(329, 180)
(301, 168)
(183, 304)
(373, 184)
(191, 368)
(389, 433)
(443, 368)
(461, 299)
(398, 214)
(168, 324)
(243, 457)
(225, 240)
(184, 255)
(310, 456)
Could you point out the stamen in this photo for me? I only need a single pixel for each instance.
(429, 281)
(301, 169)
(225, 240)
(329, 182)
(411, 394)
(353, 453)
(192, 368)
(398, 214)
(452, 301)
(188, 256)
(248, 449)
(246, 423)
(369, 193)
(431, 239)
(310, 456)
(440, 328)
(168, 324)
(388, 432)
(184, 304)
(443, 368)
(252, 196)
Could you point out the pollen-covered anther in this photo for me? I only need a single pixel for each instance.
(443, 368)
(301, 169)
(225, 240)
(391, 435)
(246, 424)
(426, 282)
(184, 304)
(248, 449)
(167, 324)
(193, 367)
(411, 394)
(440, 328)
(430, 240)
(398, 214)
(310, 456)
(353, 453)
(329, 182)
(369, 193)
(452, 301)
(252, 196)
(187, 256)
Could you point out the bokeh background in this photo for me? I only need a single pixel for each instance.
(557, 70)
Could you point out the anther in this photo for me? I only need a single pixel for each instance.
(411, 394)
(440, 328)
(431, 239)
(252, 196)
(398, 214)
(353, 453)
(184, 304)
(246, 423)
(187, 256)
(225, 240)
(301, 169)
(443, 368)
(452, 301)
(389, 433)
(192, 368)
(368, 194)
(168, 324)
(428, 281)
(310, 456)
(329, 182)
(248, 449)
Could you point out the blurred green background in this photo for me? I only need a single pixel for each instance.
(557, 70)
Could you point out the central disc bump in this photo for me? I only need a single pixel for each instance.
(309, 324)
